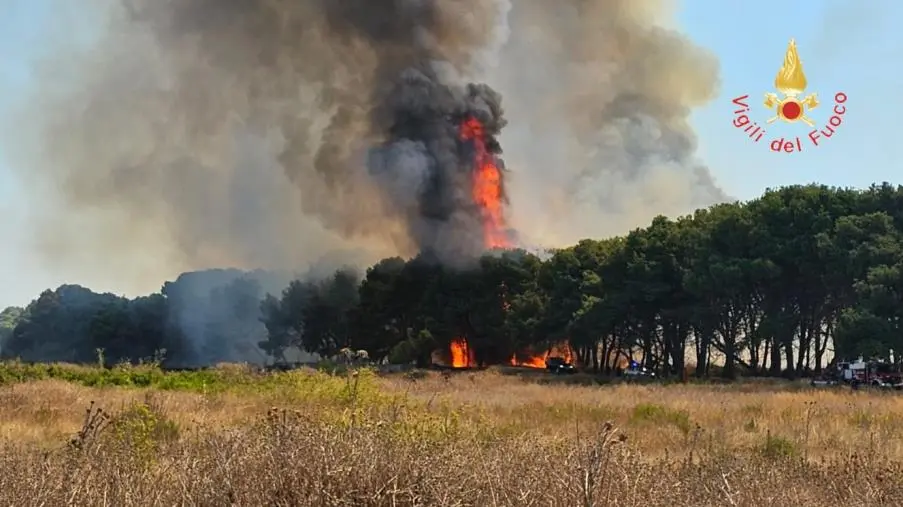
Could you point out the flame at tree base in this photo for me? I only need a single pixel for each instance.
(528, 359)
(462, 356)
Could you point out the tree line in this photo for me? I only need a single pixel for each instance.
(775, 285)
(199, 319)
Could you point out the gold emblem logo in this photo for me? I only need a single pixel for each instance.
(790, 105)
(791, 82)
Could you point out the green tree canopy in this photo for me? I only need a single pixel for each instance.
(775, 285)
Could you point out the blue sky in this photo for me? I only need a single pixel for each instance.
(849, 46)
(845, 45)
(20, 22)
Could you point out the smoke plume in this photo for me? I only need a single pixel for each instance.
(269, 133)
(598, 96)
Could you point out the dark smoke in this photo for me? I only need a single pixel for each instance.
(197, 133)
(418, 101)
(426, 169)
(200, 133)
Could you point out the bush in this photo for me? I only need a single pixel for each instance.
(648, 412)
(143, 429)
(403, 353)
(779, 447)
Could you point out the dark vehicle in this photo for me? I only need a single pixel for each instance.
(559, 365)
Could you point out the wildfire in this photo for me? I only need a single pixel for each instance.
(487, 186)
(530, 360)
(462, 355)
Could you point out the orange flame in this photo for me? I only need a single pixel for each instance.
(487, 186)
(530, 360)
(462, 355)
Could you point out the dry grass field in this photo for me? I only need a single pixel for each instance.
(79, 436)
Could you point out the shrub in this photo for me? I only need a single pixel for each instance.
(648, 412)
(779, 447)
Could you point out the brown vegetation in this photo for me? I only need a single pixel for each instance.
(475, 438)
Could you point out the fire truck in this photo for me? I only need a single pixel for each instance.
(876, 373)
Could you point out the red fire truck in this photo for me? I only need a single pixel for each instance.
(876, 373)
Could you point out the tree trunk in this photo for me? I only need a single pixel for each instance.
(606, 352)
(775, 356)
(678, 351)
(804, 347)
(754, 358)
(703, 341)
(788, 353)
(822, 345)
(595, 357)
(667, 341)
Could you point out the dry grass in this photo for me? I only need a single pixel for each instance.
(477, 439)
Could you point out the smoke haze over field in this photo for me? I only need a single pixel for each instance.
(252, 133)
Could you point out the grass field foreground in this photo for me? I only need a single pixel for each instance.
(139, 436)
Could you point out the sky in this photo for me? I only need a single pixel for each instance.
(20, 29)
(846, 46)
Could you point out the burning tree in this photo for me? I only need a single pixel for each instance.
(442, 171)
(441, 167)
(486, 186)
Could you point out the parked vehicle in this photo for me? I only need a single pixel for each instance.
(559, 365)
(634, 370)
(859, 373)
